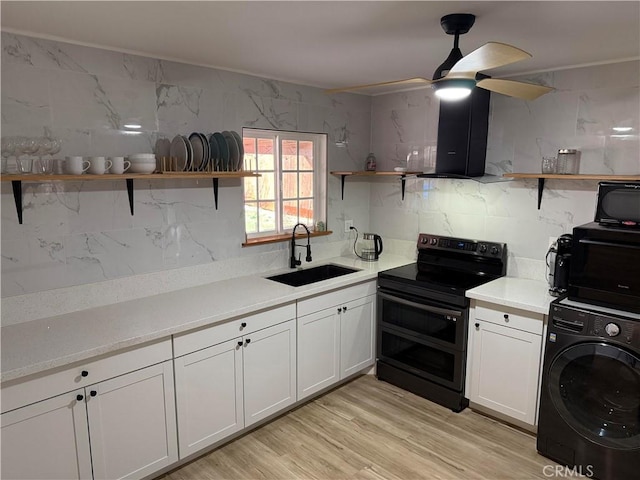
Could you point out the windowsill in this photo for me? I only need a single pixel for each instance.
(281, 238)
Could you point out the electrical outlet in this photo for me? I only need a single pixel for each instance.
(347, 225)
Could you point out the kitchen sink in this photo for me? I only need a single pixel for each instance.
(312, 275)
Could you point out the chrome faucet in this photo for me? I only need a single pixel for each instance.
(293, 262)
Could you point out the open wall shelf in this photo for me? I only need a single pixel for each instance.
(365, 173)
(16, 181)
(543, 176)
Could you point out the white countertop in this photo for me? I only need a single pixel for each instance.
(47, 343)
(523, 293)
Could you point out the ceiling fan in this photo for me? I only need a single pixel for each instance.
(458, 74)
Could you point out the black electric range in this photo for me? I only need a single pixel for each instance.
(423, 315)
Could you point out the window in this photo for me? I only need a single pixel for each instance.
(292, 185)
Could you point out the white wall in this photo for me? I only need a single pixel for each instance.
(579, 113)
(82, 233)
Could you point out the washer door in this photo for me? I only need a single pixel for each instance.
(596, 389)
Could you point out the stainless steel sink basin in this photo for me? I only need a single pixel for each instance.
(312, 275)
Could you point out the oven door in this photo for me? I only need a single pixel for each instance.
(423, 339)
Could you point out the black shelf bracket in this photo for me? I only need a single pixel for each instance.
(403, 180)
(540, 190)
(17, 198)
(342, 177)
(130, 193)
(215, 191)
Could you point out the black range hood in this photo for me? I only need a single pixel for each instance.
(462, 137)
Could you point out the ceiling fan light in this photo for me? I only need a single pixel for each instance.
(454, 89)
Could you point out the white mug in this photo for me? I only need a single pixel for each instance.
(119, 165)
(76, 165)
(98, 165)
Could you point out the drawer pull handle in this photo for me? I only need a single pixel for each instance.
(84, 373)
(477, 325)
(79, 398)
(243, 325)
(93, 393)
(506, 317)
(240, 343)
(340, 310)
(247, 341)
(344, 309)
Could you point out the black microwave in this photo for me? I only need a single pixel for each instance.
(605, 266)
(618, 204)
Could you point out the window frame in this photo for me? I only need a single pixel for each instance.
(320, 179)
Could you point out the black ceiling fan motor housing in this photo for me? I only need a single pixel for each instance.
(457, 23)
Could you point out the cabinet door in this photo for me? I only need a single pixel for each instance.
(209, 395)
(504, 370)
(357, 335)
(269, 360)
(132, 423)
(48, 439)
(318, 351)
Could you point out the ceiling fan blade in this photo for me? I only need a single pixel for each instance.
(490, 55)
(381, 84)
(525, 91)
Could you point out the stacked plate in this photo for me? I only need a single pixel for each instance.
(142, 163)
(219, 151)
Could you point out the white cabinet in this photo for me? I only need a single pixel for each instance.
(132, 422)
(122, 427)
(335, 337)
(209, 395)
(48, 439)
(249, 375)
(504, 361)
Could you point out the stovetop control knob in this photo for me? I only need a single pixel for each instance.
(433, 241)
(494, 250)
(483, 248)
(612, 329)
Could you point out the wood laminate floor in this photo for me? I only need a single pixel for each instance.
(368, 429)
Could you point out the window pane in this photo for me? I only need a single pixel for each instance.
(306, 212)
(289, 185)
(250, 188)
(266, 186)
(306, 185)
(267, 217)
(306, 155)
(289, 155)
(265, 154)
(289, 213)
(249, 163)
(251, 217)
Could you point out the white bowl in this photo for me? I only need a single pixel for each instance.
(142, 160)
(400, 169)
(142, 168)
(142, 155)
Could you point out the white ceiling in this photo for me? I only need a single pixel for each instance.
(336, 43)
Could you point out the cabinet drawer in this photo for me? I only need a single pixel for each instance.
(208, 336)
(510, 317)
(58, 381)
(336, 297)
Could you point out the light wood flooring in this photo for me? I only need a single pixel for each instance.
(368, 429)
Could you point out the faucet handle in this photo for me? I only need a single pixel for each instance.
(298, 261)
(308, 257)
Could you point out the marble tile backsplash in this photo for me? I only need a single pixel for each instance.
(81, 233)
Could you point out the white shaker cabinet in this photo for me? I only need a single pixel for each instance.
(116, 417)
(504, 365)
(48, 439)
(232, 375)
(132, 421)
(335, 336)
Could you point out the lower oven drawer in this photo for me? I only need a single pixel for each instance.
(426, 360)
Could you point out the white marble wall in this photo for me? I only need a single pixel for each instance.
(81, 233)
(580, 113)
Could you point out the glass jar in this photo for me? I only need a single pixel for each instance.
(568, 161)
(371, 163)
(549, 165)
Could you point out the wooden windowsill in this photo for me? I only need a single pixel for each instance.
(282, 238)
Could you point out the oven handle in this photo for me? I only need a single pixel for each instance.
(608, 244)
(441, 311)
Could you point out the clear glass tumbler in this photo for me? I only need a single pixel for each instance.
(549, 165)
